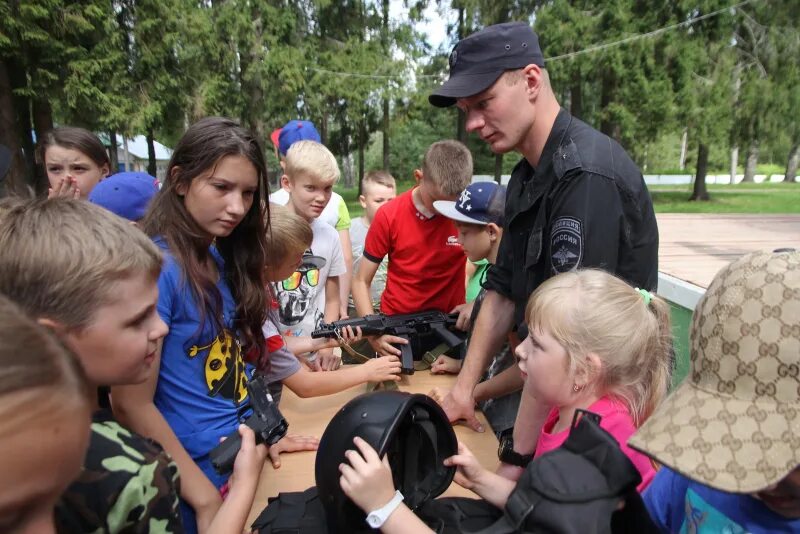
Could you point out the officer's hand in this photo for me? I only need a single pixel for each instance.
(459, 406)
(464, 312)
(383, 345)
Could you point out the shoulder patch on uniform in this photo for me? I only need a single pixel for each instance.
(566, 244)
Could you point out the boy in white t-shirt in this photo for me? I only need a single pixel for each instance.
(377, 188)
(311, 294)
(335, 212)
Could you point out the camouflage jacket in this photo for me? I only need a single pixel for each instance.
(129, 484)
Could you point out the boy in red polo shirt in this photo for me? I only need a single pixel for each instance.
(426, 261)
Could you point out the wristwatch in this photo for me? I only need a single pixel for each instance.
(377, 518)
(507, 454)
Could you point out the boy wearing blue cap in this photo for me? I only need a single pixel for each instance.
(126, 194)
(335, 212)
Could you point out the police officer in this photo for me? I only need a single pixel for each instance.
(576, 199)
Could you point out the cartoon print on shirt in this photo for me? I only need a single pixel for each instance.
(296, 293)
(224, 369)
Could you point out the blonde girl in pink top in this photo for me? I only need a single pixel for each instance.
(598, 344)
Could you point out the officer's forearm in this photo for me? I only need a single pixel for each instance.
(528, 425)
(491, 327)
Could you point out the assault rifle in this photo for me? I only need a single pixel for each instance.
(266, 421)
(408, 326)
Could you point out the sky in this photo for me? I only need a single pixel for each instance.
(436, 19)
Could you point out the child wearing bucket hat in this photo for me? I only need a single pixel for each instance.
(729, 436)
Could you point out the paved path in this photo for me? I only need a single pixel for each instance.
(694, 247)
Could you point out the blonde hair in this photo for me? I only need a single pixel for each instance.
(60, 257)
(448, 165)
(378, 177)
(591, 311)
(288, 234)
(311, 158)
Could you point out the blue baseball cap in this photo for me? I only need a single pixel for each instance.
(479, 203)
(126, 193)
(294, 131)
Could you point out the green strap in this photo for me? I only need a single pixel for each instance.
(430, 357)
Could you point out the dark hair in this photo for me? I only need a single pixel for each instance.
(31, 357)
(200, 149)
(77, 139)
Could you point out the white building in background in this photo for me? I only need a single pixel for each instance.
(137, 157)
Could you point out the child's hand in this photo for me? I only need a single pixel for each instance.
(291, 443)
(469, 471)
(383, 368)
(438, 394)
(350, 336)
(67, 187)
(366, 480)
(384, 345)
(250, 460)
(446, 365)
(464, 312)
(328, 360)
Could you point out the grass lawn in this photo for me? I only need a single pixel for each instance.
(740, 198)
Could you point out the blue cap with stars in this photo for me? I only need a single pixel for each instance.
(480, 203)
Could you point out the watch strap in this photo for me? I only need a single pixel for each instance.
(377, 518)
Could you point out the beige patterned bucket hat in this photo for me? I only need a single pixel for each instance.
(734, 423)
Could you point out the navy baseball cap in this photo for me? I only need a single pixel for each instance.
(480, 203)
(126, 193)
(295, 131)
(477, 61)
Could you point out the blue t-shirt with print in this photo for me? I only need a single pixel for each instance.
(678, 504)
(202, 381)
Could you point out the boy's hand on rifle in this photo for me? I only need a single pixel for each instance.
(383, 345)
(464, 312)
(382, 369)
(350, 336)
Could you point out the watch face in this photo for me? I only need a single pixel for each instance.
(373, 520)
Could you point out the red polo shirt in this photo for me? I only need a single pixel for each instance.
(426, 262)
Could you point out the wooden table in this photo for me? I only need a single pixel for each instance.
(311, 416)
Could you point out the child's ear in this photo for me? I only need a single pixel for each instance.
(180, 187)
(363, 201)
(57, 328)
(494, 231)
(592, 371)
(286, 183)
(418, 176)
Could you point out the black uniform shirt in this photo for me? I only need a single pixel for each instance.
(585, 205)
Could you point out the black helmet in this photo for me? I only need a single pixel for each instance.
(411, 428)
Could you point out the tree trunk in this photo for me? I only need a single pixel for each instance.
(498, 167)
(791, 164)
(576, 94)
(112, 152)
(42, 123)
(461, 126)
(323, 130)
(752, 160)
(385, 129)
(362, 141)
(151, 153)
(16, 178)
(700, 192)
(608, 92)
(684, 148)
(734, 163)
(24, 128)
